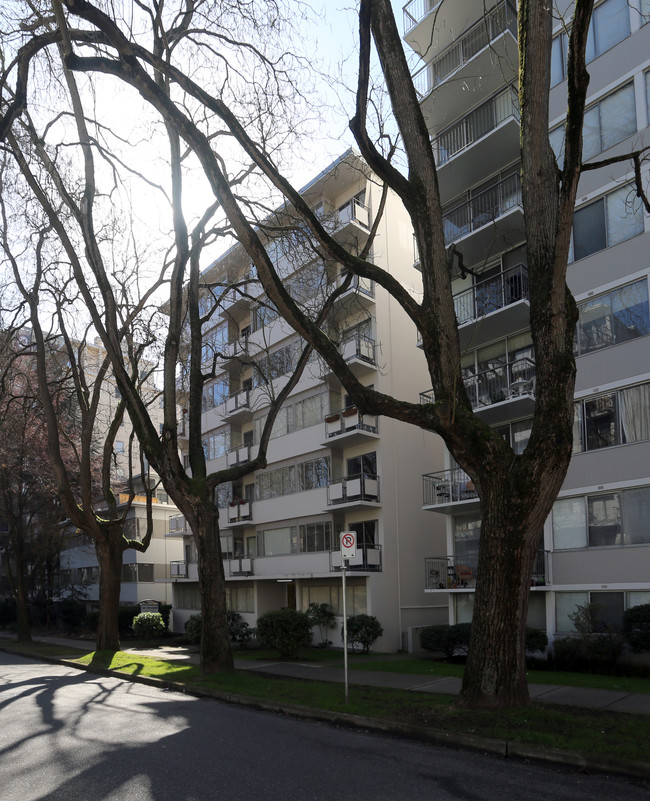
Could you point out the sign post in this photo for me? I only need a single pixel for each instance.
(348, 541)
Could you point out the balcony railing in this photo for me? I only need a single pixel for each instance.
(475, 125)
(358, 346)
(353, 211)
(417, 10)
(367, 559)
(499, 19)
(500, 382)
(178, 525)
(238, 455)
(491, 294)
(447, 486)
(364, 286)
(238, 401)
(483, 208)
(240, 511)
(459, 572)
(357, 487)
(350, 419)
(178, 569)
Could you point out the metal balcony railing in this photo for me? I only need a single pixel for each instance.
(240, 511)
(357, 487)
(367, 559)
(178, 569)
(364, 286)
(350, 419)
(475, 125)
(483, 208)
(459, 572)
(491, 294)
(358, 346)
(500, 382)
(447, 486)
(417, 10)
(496, 21)
(237, 401)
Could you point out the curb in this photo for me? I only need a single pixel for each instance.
(469, 742)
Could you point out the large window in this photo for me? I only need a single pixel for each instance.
(362, 465)
(240, 598)
(606, 222)
(310, 474)
(614, 418)
(366, 532)
(609, 121)
(607, 608)
(216, 444)
(594, 521)
(610, 24)
(613, 317)
(292, 417)
(215, 394)
(306, 538)
(355, 597)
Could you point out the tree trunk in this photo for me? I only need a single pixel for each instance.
(216, 654)
(495, 674)
(24, 631)
(109, 547)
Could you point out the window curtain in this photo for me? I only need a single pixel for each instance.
(635, 413)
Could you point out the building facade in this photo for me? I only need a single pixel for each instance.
(331, 466)
(597, 540)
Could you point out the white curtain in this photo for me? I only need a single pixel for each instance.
(635, 413)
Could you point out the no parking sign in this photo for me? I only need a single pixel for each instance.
(348, 544)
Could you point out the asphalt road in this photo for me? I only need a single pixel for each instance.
(67, 735)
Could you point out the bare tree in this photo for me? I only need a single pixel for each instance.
(516, 490)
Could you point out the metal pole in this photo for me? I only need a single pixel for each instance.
(345, 630)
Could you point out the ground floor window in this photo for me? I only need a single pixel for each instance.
(608, 608)
(331, 593)
(187, 596)
(240, 598)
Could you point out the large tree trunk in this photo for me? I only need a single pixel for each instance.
(24, 631)
(216, 654)
(109, 547)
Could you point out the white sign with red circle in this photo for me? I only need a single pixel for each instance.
(348, 544)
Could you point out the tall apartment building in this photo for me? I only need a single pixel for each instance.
(331, 466)
(597, 540)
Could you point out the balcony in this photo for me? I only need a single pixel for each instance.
(360, 293)
(480, 61)
(499, 303)
(240, 455)
(359, 352)
(240, 512)
(178, 569)
(359, 489)
(491, 221)
(238, 566)
(459, 573)
(465, 152)
(350, 427)
(430, 27)
(238, 405)
(367, 559)
(505, 390)
(236, 301)
(349, 224)
(448, 487)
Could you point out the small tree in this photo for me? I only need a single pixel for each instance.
(363, 630)
(148, 625)
(322, 616)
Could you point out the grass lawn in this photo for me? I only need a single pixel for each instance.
(588, 732)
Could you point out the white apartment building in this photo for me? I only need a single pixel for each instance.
(331, 466)
(597, 540)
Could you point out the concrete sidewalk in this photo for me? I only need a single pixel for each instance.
(587, 697)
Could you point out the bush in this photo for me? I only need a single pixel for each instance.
(148, 625)
(636, 627)
(239, 629)
(69, 614)
(165, 610)
(8, 613)
(451, 640)
(125, 617)
(454, 640)
(193, 626)
(91, 621)
(322, 616)
(363, 630)
(286, 630)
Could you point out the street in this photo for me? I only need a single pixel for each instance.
(68, 735)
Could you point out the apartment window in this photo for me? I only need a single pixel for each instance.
(366, 532)
(315, 537)
(614, 418)
(215, 342)
(606, 222)
(606, 123)
(310, 474)
(608, 608)
(216, 444)
(517, 434)
(240, 599)
(612, 318)
(355, 597)
(610, 24)
(467, 531)
(296, 416)
(215, 394)
(608, 519)
(278, 363)
(365, 464)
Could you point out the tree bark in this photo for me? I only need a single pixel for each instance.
(109, 547)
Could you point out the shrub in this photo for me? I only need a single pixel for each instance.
(636, 627)
(454, 640)
(69, 614)
(8, 613)
(363, 630)
(536, 640)
(285, 630)
(91, 621)
(126, 614)
(451, 640)
(239, 629)
(193, 626)
(148, 625)
(322, 616)
(165, 610)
